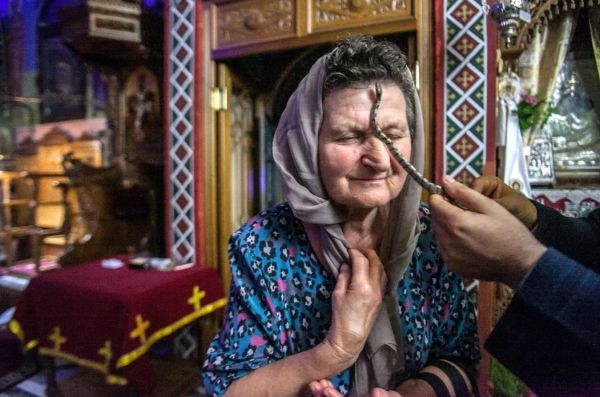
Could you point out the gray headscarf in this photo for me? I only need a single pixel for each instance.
(295, 152)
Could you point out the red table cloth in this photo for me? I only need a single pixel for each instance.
(106, 319)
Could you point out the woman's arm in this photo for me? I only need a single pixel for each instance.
(355, 304)
(291, 375)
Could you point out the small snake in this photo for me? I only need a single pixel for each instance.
(408, 167)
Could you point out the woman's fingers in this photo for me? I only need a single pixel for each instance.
(343, 280)
(376, 270)
(360, 266)
(323, 388)
(367, 270)
(318, 387)
(356, 302)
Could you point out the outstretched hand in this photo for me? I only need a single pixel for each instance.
(485, 242)
(515, 202)
(356, 301)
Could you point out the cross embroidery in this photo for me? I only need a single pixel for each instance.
(465, 12)
(106, 352)
(57, 338)
(140, 329)
(465, 79)
(464, 147)
(196, 297)
(465, 113)
(465, 46)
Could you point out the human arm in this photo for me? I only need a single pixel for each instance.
(438, 320)
(355, 304)
(553, 318)
(548, 336)
(578, 238)
(279, 312)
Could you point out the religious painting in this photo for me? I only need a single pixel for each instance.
(143, 121)
(540, 162)
(62, 82)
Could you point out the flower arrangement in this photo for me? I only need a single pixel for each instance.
(531, 111)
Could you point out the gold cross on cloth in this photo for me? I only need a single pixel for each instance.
(106, 352)
(196, 297)
(140, 329)
(57, 338)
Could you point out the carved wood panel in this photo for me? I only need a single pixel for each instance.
(253, 21)
(337, 14)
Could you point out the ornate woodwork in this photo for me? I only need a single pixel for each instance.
(338, 14)
(255, 26)
(254, 21)
(104, 29)
(542, 11)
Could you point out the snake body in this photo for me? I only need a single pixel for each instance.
(408, 167)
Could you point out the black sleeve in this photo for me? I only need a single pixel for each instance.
(577, 238)
(548, 335)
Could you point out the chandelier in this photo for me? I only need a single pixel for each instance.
(508, 15)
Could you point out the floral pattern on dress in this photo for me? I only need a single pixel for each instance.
(280, 303)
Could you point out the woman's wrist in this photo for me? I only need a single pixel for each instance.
(333, 356)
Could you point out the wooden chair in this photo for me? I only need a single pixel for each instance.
(58, 207)
(14, 229)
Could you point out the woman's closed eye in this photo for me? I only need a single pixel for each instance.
(396, 133)
(350, 137)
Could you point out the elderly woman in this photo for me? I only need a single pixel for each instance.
(340, 290)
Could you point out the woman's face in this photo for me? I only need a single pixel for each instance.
(356, 167)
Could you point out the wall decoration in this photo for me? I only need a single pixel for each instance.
(465, 95)
(180, 100)
(143, 117)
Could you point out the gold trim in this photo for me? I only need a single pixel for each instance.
(128, 358)
(111, 379)
(32, 344)
(15, 328)
(125, 359)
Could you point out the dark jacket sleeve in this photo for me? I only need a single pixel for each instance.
(550, 334)
(577, 238)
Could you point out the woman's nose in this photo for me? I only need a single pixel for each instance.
(375, 154)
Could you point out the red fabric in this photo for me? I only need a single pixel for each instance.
(92, 305)
(10, 353)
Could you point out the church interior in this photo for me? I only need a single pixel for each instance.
(135, 135)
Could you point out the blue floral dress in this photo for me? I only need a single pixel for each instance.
(280, 303)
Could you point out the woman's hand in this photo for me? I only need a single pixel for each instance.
(512, 200)
(324, 388)
(378, 392)
(356, 301)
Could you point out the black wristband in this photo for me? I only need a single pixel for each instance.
(436, 383)
(458, 381)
